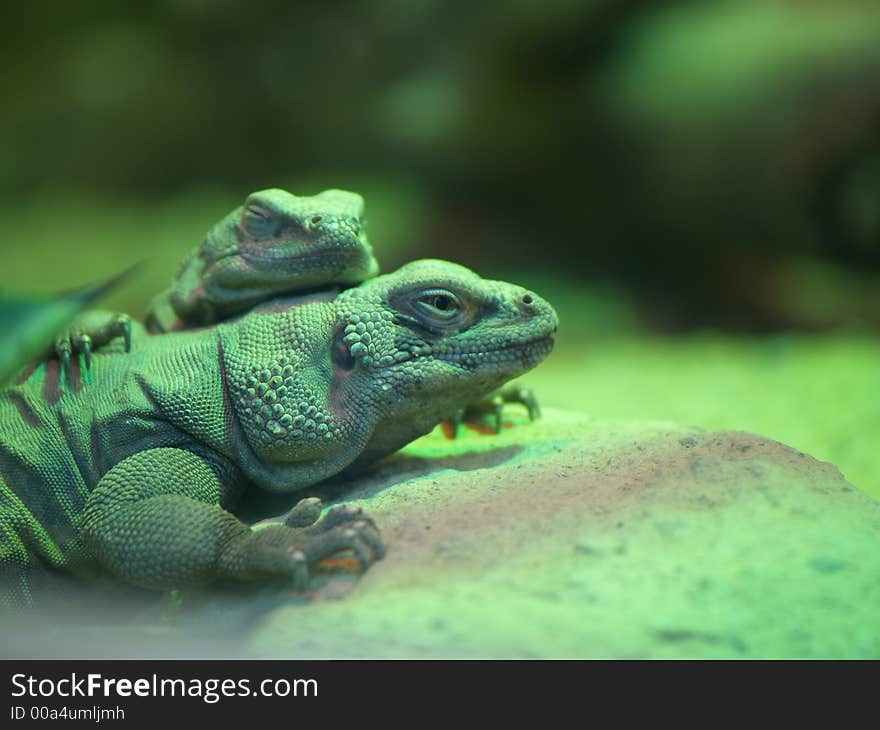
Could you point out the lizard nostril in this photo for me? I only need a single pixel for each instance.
(527, 303)
(316, 219)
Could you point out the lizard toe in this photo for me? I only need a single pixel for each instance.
(304, 513)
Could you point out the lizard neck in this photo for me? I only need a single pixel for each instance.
(285, 430)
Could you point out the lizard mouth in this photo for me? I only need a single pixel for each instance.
(524, 354)
(531, 351)
(300, 257)
(301, 254)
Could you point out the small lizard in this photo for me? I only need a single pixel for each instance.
(137, 475)
(275, 243)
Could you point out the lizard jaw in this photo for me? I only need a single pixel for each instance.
(531, 351)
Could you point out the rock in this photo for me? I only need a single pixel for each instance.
(581, 538)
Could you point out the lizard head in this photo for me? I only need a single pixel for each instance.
(276, 242)
(320, 239)
(327, 380)
(431, 338)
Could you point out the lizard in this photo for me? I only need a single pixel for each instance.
(137, 476)
(274, 243)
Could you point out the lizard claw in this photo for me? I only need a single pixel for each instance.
(125, 325)
(338, 516)
(360, 536)
(90, 331)
(498, 412)
(62, 350)
(370, 534)
(452, 425)
(299, 569)
(493, 406)
(304, 513)
(84, 345)
(524, 396)
(293, 552)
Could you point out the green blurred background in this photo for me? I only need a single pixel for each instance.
(694, 185)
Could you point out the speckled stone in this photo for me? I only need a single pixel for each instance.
(582, 538)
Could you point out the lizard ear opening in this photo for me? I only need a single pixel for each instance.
(340, 354)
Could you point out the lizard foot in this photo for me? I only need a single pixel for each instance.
(493, 405)
(295, 547)
(91, 330)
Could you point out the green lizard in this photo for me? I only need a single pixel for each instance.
(136, 475)
(275, 243)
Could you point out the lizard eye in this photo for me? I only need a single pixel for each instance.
(438, 304)
(256, 221)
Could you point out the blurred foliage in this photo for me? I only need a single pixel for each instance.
(690, 152)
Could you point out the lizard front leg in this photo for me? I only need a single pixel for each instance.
(90, 330)
(493, 405)
(156, 520)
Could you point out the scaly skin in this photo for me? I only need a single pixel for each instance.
(275, 243)
(136, 474)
